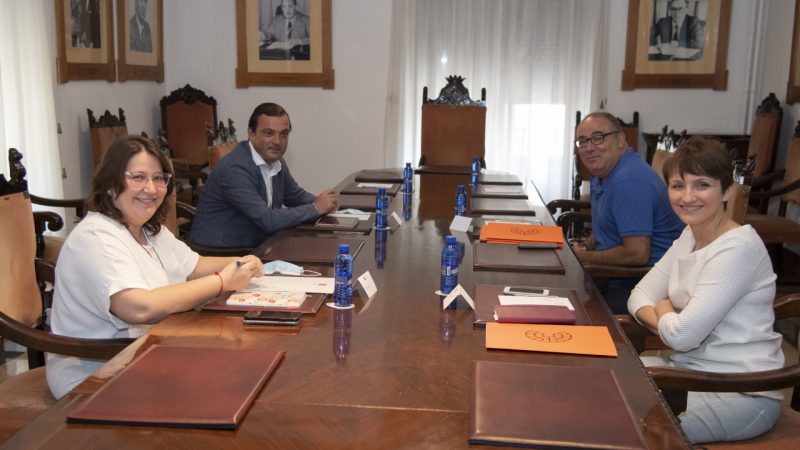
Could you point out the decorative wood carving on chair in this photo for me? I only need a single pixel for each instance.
(453, 126)
(104, 131)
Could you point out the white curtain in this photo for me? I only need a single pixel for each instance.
(27, 105)
(539, 60)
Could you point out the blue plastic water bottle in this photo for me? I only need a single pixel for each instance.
(408, 178)
(449, 278)
(381, 209)
(380, 247)
(461, 201)
(343, 268)
(406, 207)
(476, 165)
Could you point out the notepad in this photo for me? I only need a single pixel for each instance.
(538, 300)
(289, 300)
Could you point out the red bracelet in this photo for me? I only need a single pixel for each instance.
(221, 284)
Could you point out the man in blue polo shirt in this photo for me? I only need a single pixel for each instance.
(632, 221)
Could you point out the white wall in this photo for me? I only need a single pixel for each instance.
(336, 131)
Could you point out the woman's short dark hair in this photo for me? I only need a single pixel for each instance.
(109, 179)
(698, 155)
(266, 109)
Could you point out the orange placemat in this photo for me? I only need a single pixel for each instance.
(581, 340)
(515, 233)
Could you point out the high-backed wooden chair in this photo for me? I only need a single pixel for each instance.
(453, 128)
(764, 136)
(184, 115)
(103, 131)
(27, 395)
(675, 383)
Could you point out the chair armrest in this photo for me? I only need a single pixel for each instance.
(45, 271)
(78, 203)
(787, 305)
(42, 220)
(33, 338)
(775, 192)
(611, 271)
(766, 180)
(676, 379)
(565, 204)
(185, 210)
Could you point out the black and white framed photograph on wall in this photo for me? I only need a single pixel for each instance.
(140, 28)
(677, 44)
(84, 40)
(284, 43)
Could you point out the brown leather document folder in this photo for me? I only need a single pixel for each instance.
(498, 191)
(381, 175)
(485, 298)
(309, 249)
(362, 202)
(363, 226)
(510, 257)
(498, 178)
(460, 170)
(185, 387)
(542, 406)
(353, 189)
(511, 207)
(309, 307)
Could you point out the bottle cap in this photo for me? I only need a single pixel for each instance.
(460, 187)
(408, 165)
(381, 191)
(450, 240)
(344, 248)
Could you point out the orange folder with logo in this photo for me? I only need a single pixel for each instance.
(515, 233)
(581, 340)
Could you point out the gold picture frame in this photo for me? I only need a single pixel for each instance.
(793, 85)
(84, 40)
(140, 40)
(696, 54)
(272, 53)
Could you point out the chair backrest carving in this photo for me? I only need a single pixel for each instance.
(104, 131)
(184, 115)
(453, 126)
(220, 142)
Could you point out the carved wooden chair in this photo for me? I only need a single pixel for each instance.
(675, 383)
(104, 131)
(27, 395)
(453, 129)
(776, 230)
(184, 115)
(764, 136)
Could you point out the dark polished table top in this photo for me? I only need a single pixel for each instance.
(394, 372)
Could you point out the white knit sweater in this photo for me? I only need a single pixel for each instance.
(722, 295)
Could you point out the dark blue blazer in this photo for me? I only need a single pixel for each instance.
(233, 211)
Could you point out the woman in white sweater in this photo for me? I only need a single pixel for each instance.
(710, 298)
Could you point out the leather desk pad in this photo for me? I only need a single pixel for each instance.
(309, 249)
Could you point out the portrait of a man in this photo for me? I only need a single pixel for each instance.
(139, 28)
(85, 23)
(284, 30)
(680, 34)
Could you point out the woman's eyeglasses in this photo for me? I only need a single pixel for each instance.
(140, 179)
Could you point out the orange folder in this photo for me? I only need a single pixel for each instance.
(515, 233)
(581, 340)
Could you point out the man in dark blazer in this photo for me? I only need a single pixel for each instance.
(679, 27)
(250, 194)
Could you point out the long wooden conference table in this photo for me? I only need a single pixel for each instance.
(394, 372)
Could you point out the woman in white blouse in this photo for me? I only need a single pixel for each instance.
(710, 298)
(120, 270)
